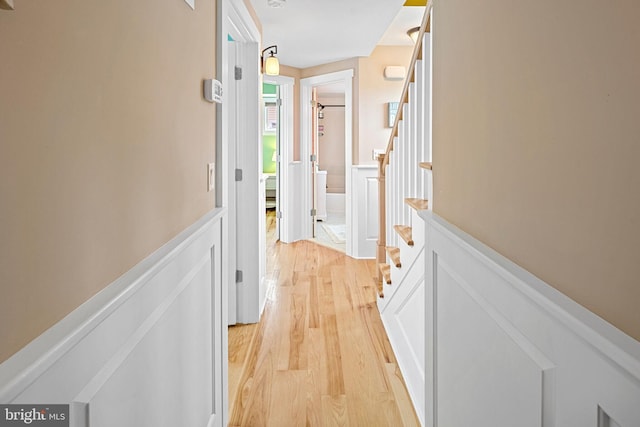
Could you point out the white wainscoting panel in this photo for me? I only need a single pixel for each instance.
(504, 348)
(403, 316)
(364, 205)
(148, 350)
(501, 347)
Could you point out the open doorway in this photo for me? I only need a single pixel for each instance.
(327, 129)
(278, 166)
(270, 158)
(330, 227)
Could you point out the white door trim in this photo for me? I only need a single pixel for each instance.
(306, 85)
(285, 143)
(233, 19)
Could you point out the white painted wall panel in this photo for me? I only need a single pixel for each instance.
(148, 350)
(516, 327)
(403, 315)
(484, 377)
(503, 348)
(364, 205)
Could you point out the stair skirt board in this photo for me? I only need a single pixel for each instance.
(160, 323)
(501, 347)
(403, 319)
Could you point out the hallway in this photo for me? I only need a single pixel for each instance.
(320, 355)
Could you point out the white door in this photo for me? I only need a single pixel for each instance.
(314, 159)
(230, 107)
(250, 206)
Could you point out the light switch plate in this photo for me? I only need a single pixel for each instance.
(211, 176)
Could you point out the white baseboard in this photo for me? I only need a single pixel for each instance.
(148, 350)
(503, 348)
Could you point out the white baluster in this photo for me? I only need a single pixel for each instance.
(390, 211)
(398, 207)
(406, 214)
(420, 140)
(411, 136)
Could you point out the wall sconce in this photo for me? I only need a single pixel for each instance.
(413, 33)
(270, 65)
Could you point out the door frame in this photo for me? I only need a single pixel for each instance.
(306, 87)
(285, 151)
(233, 19)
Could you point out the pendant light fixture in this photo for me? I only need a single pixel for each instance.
(413, 33)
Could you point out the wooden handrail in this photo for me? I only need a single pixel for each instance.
(425, 27)
(383, 160)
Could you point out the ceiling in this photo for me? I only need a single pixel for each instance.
(313, 32)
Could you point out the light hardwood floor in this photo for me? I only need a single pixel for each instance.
(320, 355)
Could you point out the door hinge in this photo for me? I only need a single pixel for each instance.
(314, 212)
(278, 102)
(238, 276)
(238, 174)
(279, 215)
(313, 158)
(237, 72)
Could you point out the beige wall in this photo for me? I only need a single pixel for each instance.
(331, 143)
(375, 92)
(536, 141)
(104, 142)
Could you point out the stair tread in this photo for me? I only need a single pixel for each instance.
(426, 165)
(405, 232)
(417, 204)
(394, 254)
(385, 269)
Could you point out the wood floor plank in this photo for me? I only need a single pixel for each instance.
(333, 355)
(316, 374)
(297, 332)
(334, 411)
(401, 396)
(288, 406)
(314, 316)
(319, 355)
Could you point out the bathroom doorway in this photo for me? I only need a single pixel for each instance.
(327, 143)
(330, 227)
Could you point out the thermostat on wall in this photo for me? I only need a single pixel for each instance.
(213, 90)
